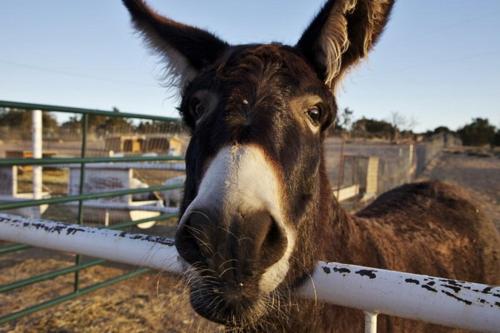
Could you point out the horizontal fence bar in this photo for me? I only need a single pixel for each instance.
(49, 275)
(436, 300)
(128, 207)
(13, 248)
(67, 297)
(431, 299)
(153, 251)
(96, 112)
(134, 223)
(76, 160)
(19, 247)
(89, 196)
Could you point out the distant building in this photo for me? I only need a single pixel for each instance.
(125, 143)
(155, 143)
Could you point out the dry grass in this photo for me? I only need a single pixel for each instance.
(55, 181)
(154, 302)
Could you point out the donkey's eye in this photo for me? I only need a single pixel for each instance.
(314, 113)
(196, 107)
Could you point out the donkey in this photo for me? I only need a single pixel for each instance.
(258, 211)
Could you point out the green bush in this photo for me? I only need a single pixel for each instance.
(478, 133)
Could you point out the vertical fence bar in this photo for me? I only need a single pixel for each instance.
(370, 322)
(37, 153)
(340, 175)
(85, 126)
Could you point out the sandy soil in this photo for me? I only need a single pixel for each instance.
(157, 302)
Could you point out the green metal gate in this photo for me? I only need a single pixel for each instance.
(81, 197)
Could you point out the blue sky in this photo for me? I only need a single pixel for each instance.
(438, 61)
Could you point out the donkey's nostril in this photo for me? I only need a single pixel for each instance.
(270, 239)
(248, 239)
(192, 239)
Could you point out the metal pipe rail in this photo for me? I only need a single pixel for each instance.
(68, 109)
(77, 160)
(115, 245)
(431, 299)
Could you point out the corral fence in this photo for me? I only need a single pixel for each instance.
(103, 181)
(374, 168)
(93, 177)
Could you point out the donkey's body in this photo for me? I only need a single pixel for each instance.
(425, 228)
(258, 212)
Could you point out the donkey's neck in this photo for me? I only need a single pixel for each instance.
(329, 234)
(341, 236)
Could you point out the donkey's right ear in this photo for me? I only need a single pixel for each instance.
(187, 49)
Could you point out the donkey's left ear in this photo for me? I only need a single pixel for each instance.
(342, 33)
(187, 49)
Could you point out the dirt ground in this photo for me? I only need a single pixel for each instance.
(157, 302)
(153, 302)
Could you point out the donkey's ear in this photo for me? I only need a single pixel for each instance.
(187, 49)
(342, 33)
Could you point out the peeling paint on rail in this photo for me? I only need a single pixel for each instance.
(135, 249)
(436, 300)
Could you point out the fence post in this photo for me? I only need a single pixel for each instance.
(410, 152)
(37, 153)
(370, 322)
(372, 177)
(411, 160)
(83, 152)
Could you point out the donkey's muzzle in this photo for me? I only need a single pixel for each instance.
(236, 247)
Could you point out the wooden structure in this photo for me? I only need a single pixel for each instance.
(125, 143)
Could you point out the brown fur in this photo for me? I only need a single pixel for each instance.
(263, 96)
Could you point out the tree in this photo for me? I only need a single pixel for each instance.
(441, 129)
(72, 125)
(20, 120)
(372, 128)
(398, 121)
(170, 127)
(101, 125)
(343, 121)
(479, 132)
(496, 139)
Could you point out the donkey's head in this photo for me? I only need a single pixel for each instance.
(257, 115)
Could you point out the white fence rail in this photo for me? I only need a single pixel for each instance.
(430, 299)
